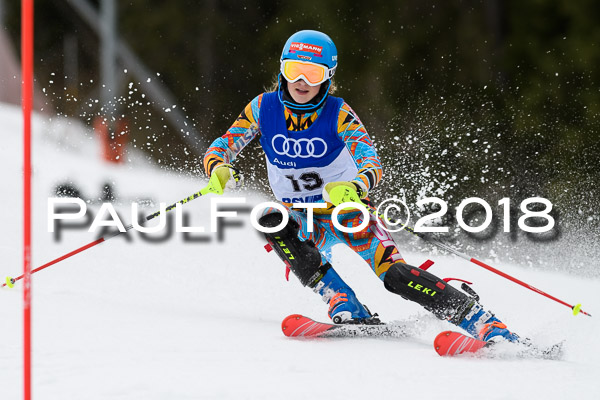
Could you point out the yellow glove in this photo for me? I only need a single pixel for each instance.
(219, 178)
(340, 192)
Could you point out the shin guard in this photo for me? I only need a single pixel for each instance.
(302, 257)
(433, 293)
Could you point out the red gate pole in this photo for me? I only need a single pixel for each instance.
(27, 101)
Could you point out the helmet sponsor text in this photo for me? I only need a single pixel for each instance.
(311, 48)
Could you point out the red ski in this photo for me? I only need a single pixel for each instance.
(451, 343)
(297, 325)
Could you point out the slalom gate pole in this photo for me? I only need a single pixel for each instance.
(27, 105)
(208, 189)
(576, 308)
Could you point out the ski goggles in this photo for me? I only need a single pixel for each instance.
(313, 74)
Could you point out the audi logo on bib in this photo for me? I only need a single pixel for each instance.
(302, 148)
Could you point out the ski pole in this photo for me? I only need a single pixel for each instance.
(576, 308)
(212, 187)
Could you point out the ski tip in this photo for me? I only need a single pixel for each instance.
(10, 282)
(437, 342)
(450, 343)
(285, 324)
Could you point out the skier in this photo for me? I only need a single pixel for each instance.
(317, 150)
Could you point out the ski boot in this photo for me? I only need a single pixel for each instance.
(485, 326)
(446, 302)
(306, 262)
(344, 307)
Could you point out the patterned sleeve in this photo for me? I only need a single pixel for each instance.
(225, 149)
(358, 142)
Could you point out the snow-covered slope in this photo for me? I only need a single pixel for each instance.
(201, 320)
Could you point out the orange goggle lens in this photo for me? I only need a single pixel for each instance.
(314, 74)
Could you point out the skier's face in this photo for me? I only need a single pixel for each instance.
(301, 92)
